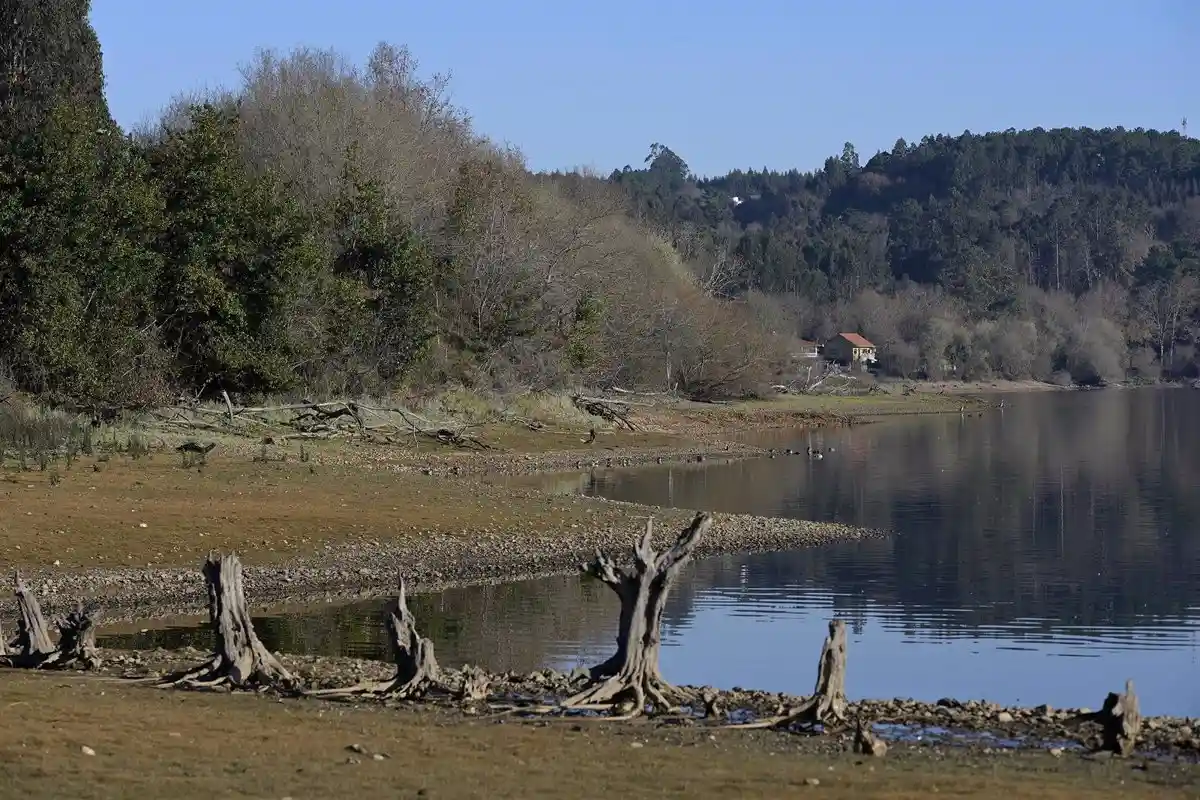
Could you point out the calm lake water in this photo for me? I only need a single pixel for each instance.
(1043, 553)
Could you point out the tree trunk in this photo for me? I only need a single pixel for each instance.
(631, 676)
(1120, 720)
(33, 634)
(240, 659)
(827, 705)
(417, 670)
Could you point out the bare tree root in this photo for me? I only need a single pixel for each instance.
(417, 670)
(240, 660)
(827, 705)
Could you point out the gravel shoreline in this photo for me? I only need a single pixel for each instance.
(430, 562)
(978, 724)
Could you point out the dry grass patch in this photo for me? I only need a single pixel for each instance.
(149, 743)
(133, 513)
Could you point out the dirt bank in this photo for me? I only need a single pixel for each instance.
(142, 742)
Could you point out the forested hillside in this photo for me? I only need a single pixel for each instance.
(1014, 254)
(326, 228)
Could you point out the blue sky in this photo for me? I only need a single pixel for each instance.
(751, 84)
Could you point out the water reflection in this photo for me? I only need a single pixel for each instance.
(1042, 554)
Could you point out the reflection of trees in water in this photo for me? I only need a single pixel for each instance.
(1079, 507)
(985, 528)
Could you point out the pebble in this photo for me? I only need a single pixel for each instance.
(87, 751)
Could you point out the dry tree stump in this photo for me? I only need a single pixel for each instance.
(33, 642)
(77, 639)
(631, 676)
(827, 705)
(240, 659)
(417, 670)
(33, 647)
(1120, 721)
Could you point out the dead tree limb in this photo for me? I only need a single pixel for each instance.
(1120, 721)
(616, 411)
(417, 670)
(240, 659)
(827, 705)
(631, 676)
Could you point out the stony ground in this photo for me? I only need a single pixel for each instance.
(88, 737)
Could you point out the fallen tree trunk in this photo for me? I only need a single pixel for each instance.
(240, 659)
(417, 670)
(631, 676)
(1120, 721)
(827, 705)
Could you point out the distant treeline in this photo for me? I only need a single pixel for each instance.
(340, 229)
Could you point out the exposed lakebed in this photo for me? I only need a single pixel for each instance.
(1042, 554)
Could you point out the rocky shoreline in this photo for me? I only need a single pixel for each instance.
(429, 561)
(978, 724)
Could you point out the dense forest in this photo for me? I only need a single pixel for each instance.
(326, 228)
(1073, 252)
(340, 229)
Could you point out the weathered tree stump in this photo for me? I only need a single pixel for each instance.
(1120, 721)
(33, 642)
(827, 705)
(76, 640)
(474, 686)
(417, 670)
(868, 743)
(240, 659)
(631, 676)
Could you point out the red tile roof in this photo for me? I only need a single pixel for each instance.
(855, 339)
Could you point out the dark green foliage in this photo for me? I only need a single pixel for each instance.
(49, 55)
(238, 258)
(76, 288)
(388, 270)
(980, 214)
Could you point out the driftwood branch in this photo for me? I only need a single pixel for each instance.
(240, 659)
(417, 670)
(827, 705)
(327, 420)
(615, 411)
(631, 677)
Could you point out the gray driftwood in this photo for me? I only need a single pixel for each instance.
(417, 670)
(631, 676)
(76, 640)
(33, 643)
(1120, 721)
(827, 705)
(240, 659)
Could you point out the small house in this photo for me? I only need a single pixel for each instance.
(850, 349)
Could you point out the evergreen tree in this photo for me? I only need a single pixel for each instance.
(239, 258)
(49, 55)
